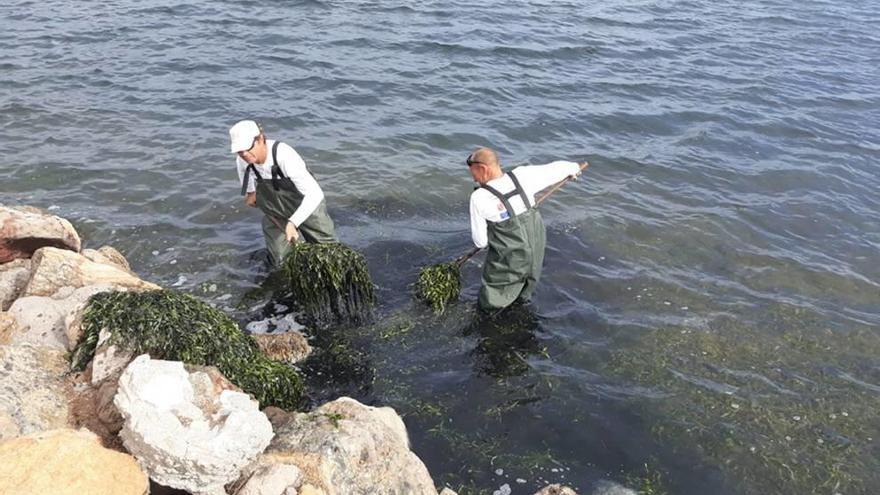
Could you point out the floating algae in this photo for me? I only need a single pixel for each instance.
(330, 282)
(170, 325)
(439, 285)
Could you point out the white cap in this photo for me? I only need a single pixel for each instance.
(242, 135)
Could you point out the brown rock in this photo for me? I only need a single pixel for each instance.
(67, 462)
(289, 347)
(24, 230)
(54, 269)
(92, 408)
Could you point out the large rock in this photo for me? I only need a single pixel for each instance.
(67, 462)
(51, 321)
(54, 269)
(347, 448)
(13, 279)
(32, 395)
(184, 433)
(107, 255)
(288, 347)
(24, 230)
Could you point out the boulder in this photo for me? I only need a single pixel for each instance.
(67, 462)
(556, 489)
(24, 230)
(32, 395)
(8, 326)
(40, 321)
(108, 255)
(288, 347)
(53, 321)
(53, 269)
(13, 279)
(345, 447)
(184, 434)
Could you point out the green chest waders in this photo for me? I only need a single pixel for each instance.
(516, 253)
(278, 198)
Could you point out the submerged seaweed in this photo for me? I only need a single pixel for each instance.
(767, 409)
(439, 285)
(330, 282)
(171, 325)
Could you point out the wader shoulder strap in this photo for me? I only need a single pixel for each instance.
(276, 170)
(505, 198)
(520, 191)
(501, 197)
(247, 175)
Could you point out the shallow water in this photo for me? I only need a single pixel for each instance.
(733, 153)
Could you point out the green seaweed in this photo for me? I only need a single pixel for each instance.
(171, 325)
(788, 413)
(331, 282)
(439, 285)
(646, 481)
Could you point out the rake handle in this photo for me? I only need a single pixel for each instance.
(461, 260)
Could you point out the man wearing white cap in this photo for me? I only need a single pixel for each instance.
(275, 179)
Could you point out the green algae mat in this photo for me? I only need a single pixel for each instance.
(171, 325)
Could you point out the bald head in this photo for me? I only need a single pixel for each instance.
(486, 156)
(484, 165)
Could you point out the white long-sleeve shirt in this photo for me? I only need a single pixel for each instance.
(486, 207)
(294, 168)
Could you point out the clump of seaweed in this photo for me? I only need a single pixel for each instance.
(171, 325)
(770, 410)
(330, 282)
(439, 285)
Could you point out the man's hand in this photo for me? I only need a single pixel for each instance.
(583, 166)
(291, 233)
(250, 199)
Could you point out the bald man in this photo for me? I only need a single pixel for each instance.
(505, 219)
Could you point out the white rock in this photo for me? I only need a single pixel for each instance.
(184, 438)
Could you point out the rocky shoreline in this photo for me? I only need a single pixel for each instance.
(128, 419)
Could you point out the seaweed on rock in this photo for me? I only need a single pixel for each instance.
(330, 282)
(171, 325)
